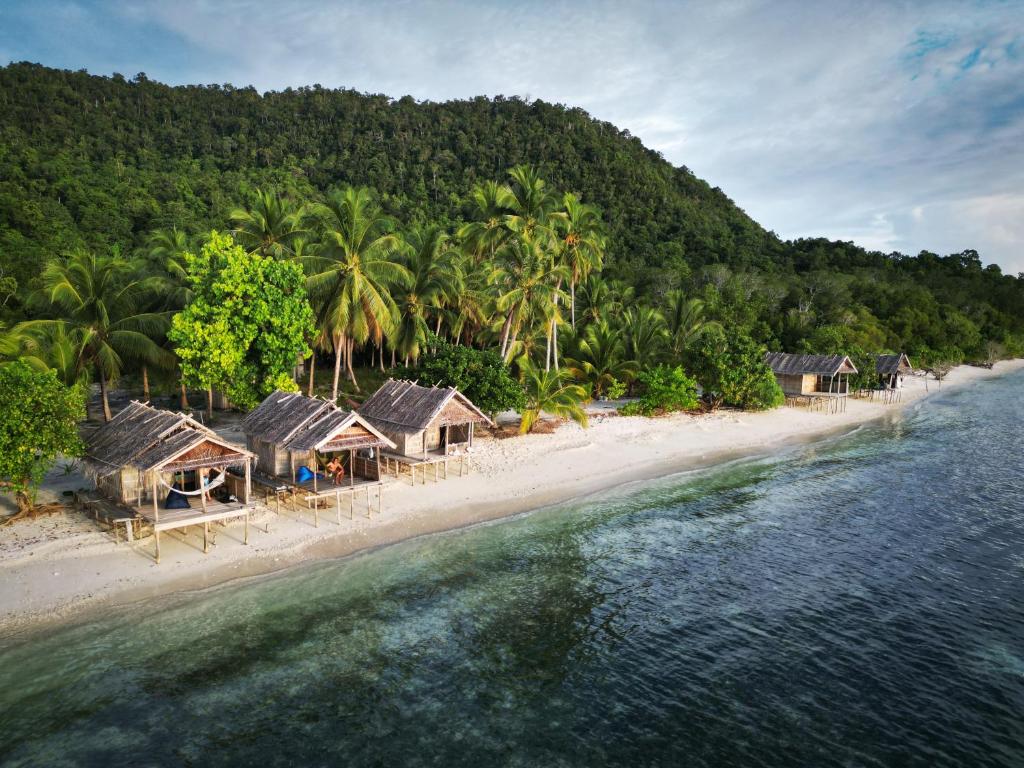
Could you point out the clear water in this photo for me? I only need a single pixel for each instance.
(857, 603)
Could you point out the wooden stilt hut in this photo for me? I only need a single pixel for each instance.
(292, 436)
(891, 369)
(427, 424)
(143, 453)
(814, 380)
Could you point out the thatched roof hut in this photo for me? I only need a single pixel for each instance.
(289, 425)
(811, 374)
(892, 368)
(422, 419)
(141, 440)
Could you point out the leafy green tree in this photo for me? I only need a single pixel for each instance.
(38, 422)
(247, 323)
(665, 389)
(686, 321)
(645, 335)
(524, 276)
(480, 375)
(354, 270)
(583, 244)
(551, 392)
(100, 299)
(732, 371)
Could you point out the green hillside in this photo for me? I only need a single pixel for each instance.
(97, 162)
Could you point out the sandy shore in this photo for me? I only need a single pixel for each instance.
(56, 567)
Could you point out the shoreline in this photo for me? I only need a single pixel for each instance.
(63, 570)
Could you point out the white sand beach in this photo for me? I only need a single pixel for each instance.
(54, 567)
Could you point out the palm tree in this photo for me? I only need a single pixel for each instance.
(436, 281)
(524, 271)
(352, 273)
(532, 207)
(99, 298)
(582, 244)
(686, 322)
(599, 359)
(481, 237)
(269, 226)
(551, 392)
(645, 334)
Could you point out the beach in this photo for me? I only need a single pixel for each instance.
(57, 567)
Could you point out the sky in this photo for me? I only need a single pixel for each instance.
(897, 125)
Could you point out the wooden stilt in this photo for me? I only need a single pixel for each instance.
(337, 505)
(246, 539)
(206, 538)
(351, 505)
(156, 535)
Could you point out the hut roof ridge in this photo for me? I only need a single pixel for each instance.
(786, 363)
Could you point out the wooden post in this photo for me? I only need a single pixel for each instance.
(315, 467)
(156, 509)
(202, 488)
(446, 440)
(246, 539)
(291, 460)
(351, 468)
(248, 482)
(206, 536)
(351, 505)
(369, 508)
(377, 454)
(156, 533)
(337, 505)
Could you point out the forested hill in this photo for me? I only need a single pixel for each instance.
(96, 160)
(93, 163)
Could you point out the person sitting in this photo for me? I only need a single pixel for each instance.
(337, 470)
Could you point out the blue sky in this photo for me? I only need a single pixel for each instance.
(898, 125)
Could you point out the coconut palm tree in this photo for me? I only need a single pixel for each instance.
(551, 392)
(645, 335)
(599, 359)
(524, 272)
(482, 236)
(436, 282)
(686, 321)
(353, 270)
(269, 226)
(582, 246)
(532, 208)
(99, 298)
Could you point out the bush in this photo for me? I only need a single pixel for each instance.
(665, 389)
(731, 370)
(480, 375)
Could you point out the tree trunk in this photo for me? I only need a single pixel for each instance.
(348, 364)
(145, 383)
(312, 370)
(381, 350)
(572, 302)
(393, 358)
(547, 349)
(184, 396)
(337, 338)
(209, 402)
(504, 333)
(103, 396)
(437, 329)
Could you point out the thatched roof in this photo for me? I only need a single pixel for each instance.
(299, 423)
(890, 364)
(407, 407)
(785, 364)
(147, 438)
(282, 414)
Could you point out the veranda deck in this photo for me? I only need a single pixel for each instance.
(321, 491)
(399, 463)
(170, 519)
(819, 401)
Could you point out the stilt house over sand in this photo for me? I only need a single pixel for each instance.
(423, 421)
(891, 370)
(142, 453)
(811, 375)
(288, 431)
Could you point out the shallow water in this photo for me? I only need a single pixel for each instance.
(854, 603)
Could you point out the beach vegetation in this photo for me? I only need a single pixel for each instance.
(664, 389)
(552, 392)
(731, 370)
(39, 418)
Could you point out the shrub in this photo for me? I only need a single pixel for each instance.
(665, 389)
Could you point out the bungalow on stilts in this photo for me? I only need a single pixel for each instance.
(821, 382)
(308, 449)
(891, 369)
(430, 426)
(165, 467)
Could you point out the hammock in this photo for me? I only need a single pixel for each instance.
(209, 486)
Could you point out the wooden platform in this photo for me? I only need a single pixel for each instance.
(819, 401)
(398, 464)
(169, 519)
(316, 499)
